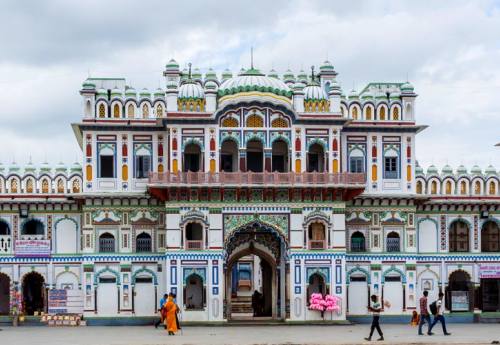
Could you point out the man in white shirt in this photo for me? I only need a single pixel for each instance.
(375, 308)
(440, 315)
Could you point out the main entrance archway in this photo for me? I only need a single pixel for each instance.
(255, 275)
(33, 293)
(4, 294)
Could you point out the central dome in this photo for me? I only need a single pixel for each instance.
(254, 80)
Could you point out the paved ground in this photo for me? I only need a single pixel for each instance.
(395, 334)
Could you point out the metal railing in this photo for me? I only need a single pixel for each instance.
(358, 245)
(260, 178)
(143, 245)
(106, 245)
(194, 245)
(317, 244)
(393, 245)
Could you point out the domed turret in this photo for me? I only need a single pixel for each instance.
(380, 96)
(2, 168)
(490, 170)
(432, 170)
(461, 170)
(272, 74)
(288, 77)
(211, 76)
(29, 168)
(130, 92)
(145, 93)
(172, 65)
(45, 168)
(88, 85)
(116, 93)
(13, 168)
(298, 86)
(184, 74)
(302, 77)
(196, 75)
(476, 170)
(191, 90)
(227, 74)
(253, 80)
(102, 93)
(447, 170)
(407, 88)
(61, 168)
(159, 93)
(211, 85)
(326, 67)
(353, 94)
(314, 92)
(419, 171)
(76, 168)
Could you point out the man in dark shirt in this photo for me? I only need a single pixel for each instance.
(424, 314)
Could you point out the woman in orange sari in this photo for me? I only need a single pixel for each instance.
(171, 311)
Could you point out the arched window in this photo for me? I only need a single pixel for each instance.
(106, 243)
(76, 186)
(131, 111)
(316, 284)
(279, 156)
(463, 188)
(4, 229)
(490, 237)
(13, 185)
(355, 113)
(419, 187)
(194, 293)
(492, 189)
(194, 236)
(192, 158)
(33, 227)
(459, 237)
(433, 187)
(368, 115)
(143, 243)
(102, 110)
(159, 111)
(116, 110)
(381, 115)
(477, 187)
(358, 242)
(317, 236)
(393, 242)
(448, 187)
(255, 121)
(60, 186)
(145, 111)
(230, 122)
(279, 122)
(316, 158)
(29, 186)
(395, 113)
(87, 108)
(45, 186)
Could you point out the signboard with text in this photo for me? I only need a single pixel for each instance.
(489, 271)
(459, 301)
(32, 248)
(65, 301)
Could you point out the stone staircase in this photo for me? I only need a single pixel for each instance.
(241, 306)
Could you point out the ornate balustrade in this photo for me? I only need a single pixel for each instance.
(194, 245)
(257, 179)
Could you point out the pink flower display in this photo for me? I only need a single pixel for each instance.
(324, 303)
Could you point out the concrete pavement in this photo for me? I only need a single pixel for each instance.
(245, 335)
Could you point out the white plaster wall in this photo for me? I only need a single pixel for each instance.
(427, 236)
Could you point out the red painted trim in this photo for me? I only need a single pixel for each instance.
(119, 121)
(188, 114)
(465, 197)
(33, 196)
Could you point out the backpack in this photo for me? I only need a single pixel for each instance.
(433, 307)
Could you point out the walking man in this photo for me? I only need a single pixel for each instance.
(162, 303)
(375, 308)
(439, 315)
(424, 314)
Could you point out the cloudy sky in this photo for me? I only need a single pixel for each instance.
(450, 51)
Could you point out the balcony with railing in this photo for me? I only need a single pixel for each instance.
(393, 245)
(257, 179)
(194, 245)
(317, 244)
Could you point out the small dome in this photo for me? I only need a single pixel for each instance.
(447, 170)
(171, 85)
(102, 92)
(395, 95)
(242, 71)
(227, 74)
(432, 170)
(76, 168)
(2, 168)
(380, 95)
(159, 93)
(130, 92)
(302, 77)
(314, 93)
(196, 74)
(476, 170)
(45, 168)
(368, 94)
(30, 167)
(461, 170)
(353, 94)
(419, 170)
(184, 74)
(253, 80)
(211, 75)
(288, 76)
(88, 85)
(326, 66)
(116, 92)
(191, 90)
(490, 170)
(13, 167)
(145, 93)
(272, 74)
(172, 65)
(298, 86)
(61, 168)
(407, 87)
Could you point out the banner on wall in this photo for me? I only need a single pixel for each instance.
(489, 271)
(65, 301)
(32, 248)
(459, 301)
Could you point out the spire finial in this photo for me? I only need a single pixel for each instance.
(312, 74)
(189, 72)
(251, 57)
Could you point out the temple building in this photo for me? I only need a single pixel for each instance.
(219, 185)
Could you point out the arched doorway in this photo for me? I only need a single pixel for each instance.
(459, 237)
(4, 294)
(459, 292)
(33, 228)
(316, 158)
(255, 253)
(255, 156)
(358, 243)
(33, 293)
(193, 160)
(229, 156)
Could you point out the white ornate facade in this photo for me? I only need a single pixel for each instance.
(180, 186)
